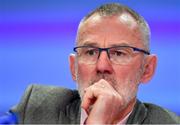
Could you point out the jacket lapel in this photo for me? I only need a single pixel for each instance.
(138, 115)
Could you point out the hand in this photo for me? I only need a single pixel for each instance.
(102, 103)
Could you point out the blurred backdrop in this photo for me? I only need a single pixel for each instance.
(36, 37)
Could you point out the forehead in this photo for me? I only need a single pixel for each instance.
(107, 30)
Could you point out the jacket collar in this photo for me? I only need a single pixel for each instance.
(138, 114)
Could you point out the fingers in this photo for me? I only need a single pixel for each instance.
(93, 92)
(90, 96)
(101, 99)
(88, 99)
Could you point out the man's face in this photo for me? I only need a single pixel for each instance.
(106, 32)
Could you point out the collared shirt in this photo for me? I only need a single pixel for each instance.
(84, 116)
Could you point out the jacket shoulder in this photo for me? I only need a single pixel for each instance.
(159, 115)
(43, 104)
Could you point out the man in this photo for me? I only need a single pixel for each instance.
(112, 59)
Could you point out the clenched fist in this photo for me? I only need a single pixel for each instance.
(103, 104)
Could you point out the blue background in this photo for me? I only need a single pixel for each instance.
(37, 36)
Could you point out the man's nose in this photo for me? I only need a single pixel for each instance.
(103, 64)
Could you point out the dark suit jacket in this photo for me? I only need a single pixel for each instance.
(54, 105)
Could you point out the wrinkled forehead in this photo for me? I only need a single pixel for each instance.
(126, 23)
(124, 18)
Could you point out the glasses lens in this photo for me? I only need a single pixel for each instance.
(88, 55)
(120, 55)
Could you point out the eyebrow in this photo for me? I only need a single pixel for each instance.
(88, 43)
(94, 44)
(119, 44)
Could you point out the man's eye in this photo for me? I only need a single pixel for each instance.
(91, 52)
(119, 53)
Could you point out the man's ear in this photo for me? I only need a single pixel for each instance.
(149, 68)
(72, 66)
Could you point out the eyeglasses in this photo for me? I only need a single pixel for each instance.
(117, 55)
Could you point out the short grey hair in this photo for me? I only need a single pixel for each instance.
(112, 9)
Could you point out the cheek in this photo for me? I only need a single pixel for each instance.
(128, 72)
(85, 72)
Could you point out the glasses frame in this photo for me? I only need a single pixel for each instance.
(107, 49)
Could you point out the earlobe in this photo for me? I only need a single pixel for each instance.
(72, 66)
(149, 68)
